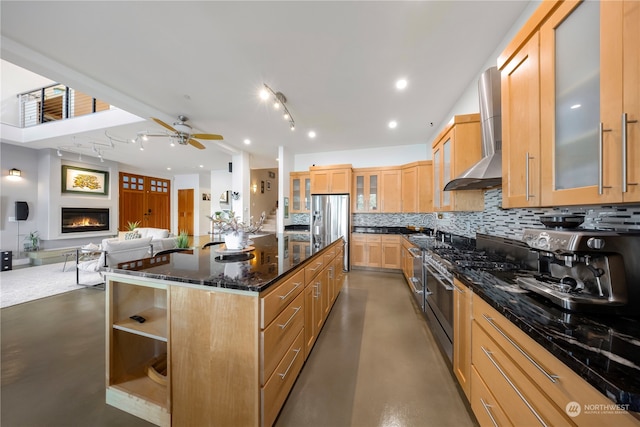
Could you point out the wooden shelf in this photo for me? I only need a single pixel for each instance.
(154, 327)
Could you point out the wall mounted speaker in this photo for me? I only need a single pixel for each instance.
(22, 211)
(230, 167)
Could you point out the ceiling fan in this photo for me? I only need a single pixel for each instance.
(181, 131)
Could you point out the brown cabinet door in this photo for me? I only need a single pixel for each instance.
(185, 211)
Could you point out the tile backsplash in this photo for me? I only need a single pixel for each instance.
(497, 221)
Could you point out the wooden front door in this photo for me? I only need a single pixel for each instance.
(144, 199)
(185, 211)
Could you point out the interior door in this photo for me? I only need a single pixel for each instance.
(185, 210)
(145, 200)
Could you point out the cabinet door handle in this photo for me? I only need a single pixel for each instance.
(296, 351)
(295, 311)
(601, 158)
(487, 408)
(625, 122)
(551, 377)
(526, 176)
(289, 293)
(513, 386)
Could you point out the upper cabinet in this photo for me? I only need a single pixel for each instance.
(376, 190)
(334, 179)
(577, 141)
(300, 187)
(457, 148)
(417, 187)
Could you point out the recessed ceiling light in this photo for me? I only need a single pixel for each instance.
(401, 84)
(247, 141)
(573, 107)
(201, 166)
(264, 95)
(312, 134)
(393, 124)
(168, 169)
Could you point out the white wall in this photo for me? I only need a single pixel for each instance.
(370, 157)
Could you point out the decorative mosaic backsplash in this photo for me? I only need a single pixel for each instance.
(497, 221)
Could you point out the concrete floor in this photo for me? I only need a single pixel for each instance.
(374, 364)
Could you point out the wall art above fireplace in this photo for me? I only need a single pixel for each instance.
(81, 180)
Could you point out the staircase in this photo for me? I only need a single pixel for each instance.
(269, 225)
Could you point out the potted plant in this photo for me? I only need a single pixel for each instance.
(182, 241)
(233, 230)
(132, 225)
(32, 241)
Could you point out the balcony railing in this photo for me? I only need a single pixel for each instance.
(56, 102)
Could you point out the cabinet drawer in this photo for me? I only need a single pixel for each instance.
(277, 388)
(522, 401)
(484, 405)
(273, 303)
(390, 238)
(373, 238)
(278, 336)
(328, 257)
(313, 269)
(561, 384)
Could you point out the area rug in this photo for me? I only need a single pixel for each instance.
(31, 283)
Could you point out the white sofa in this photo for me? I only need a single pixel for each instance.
(161, 238)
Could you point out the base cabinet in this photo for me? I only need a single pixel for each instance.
(515, 381)
(220, 357)
(462, 300)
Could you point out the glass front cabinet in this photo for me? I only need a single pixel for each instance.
(300, 185)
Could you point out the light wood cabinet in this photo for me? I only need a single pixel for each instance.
(300, 189)
(579, 143)
(407, 259)
(366, 250)
(528, 385)
(376, 190)
(457, 148)
(462, 300)
(390, 251)
(417, 187)
(334, 179)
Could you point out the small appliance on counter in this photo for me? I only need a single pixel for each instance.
(586, 270)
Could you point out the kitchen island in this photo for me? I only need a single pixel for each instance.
(225, 333)
(600, 354)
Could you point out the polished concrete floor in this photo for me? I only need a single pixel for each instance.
(374, 364)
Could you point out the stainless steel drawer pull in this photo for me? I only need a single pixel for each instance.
(513, 386)
(487, 408)
(416, 290)
(526, 176)
(551, 377)
(296, 351)
(295, 311)
(289, 293)
(318, 265)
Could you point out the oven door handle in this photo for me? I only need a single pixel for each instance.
(440, 278)
(413, 281)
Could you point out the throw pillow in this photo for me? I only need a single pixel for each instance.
(131, 235)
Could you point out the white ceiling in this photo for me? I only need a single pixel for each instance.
(336, 62)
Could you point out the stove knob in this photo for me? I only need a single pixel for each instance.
(595, 243)
(543, 242)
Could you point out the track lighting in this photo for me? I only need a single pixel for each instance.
(279, 101)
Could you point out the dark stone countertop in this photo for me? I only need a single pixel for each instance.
(602, 349)
(273, 257)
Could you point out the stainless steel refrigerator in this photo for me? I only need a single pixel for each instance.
(330, 219)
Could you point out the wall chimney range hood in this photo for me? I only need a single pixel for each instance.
(487, 172)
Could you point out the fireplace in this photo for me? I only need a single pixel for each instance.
(79, 220)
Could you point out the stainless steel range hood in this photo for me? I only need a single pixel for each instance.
(488, 171)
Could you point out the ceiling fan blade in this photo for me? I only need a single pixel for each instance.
(196, 144)
(207, 136)
(163, 124)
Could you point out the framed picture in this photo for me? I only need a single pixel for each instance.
(224, 197)
(269, 185)
(206, 196)
(261, 187)
(286, 209)
(272, 174)
(81, 180)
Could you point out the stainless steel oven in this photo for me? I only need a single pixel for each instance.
(439, 300)
(417, 279)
